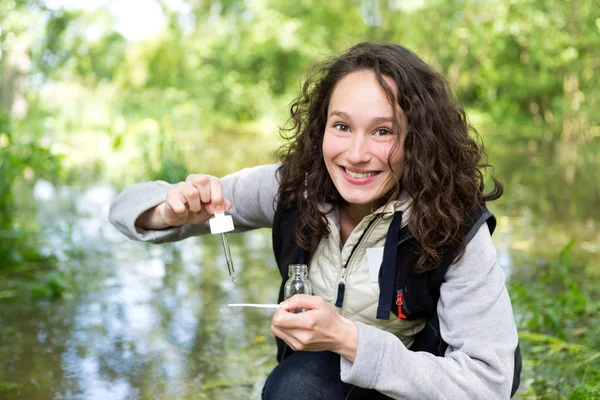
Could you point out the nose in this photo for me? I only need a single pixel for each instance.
(358, 151)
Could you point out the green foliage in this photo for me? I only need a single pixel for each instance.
(8, 387)
(157, 141)
(555, 300)
(69, 47)
(19, 157)
(228, 63)
(52, 287)
(559, 328)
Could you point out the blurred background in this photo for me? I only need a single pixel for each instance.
(98, 94)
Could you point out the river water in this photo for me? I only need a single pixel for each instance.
(144, 321)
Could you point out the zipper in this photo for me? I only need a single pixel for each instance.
(341, 288)
(342, 282)
(343, 277)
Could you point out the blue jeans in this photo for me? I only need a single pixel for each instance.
(306, 375)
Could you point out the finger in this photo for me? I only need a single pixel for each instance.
(202, 183)
(288, 339)
(216, 195)
(282, 319)
(175, 199)
(302, 301)
(299, 340)
(211, 210)
(192, 196)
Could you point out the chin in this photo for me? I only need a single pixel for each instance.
(358, 200)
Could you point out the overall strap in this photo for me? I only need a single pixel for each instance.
(388, 267)
(483, 216)
(285, 248)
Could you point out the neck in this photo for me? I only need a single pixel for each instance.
(354, 213)
(350, 216)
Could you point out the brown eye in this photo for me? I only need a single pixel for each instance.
(341, 127)
(383, 132)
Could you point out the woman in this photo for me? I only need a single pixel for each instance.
(378, 146)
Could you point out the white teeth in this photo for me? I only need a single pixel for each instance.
(359, 175)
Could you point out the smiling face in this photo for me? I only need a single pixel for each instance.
(359, 139)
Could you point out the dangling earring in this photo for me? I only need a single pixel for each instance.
(305, 185)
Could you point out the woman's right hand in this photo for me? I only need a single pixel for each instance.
(191, 202)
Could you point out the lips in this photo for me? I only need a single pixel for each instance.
(359, 175)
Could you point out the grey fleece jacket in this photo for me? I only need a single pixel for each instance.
(474, 309)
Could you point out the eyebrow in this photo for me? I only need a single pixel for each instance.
(378, 120)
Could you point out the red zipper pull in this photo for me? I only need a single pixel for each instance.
(399, 300)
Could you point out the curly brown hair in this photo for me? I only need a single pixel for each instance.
(444, 157)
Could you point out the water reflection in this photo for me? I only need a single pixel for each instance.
(148, 321)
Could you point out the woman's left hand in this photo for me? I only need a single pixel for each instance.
(319, 328)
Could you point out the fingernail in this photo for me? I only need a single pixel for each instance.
(218, 209)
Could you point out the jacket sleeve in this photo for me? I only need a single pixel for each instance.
(476, 320)
(251, 192)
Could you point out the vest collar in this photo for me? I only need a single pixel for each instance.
(402, 204)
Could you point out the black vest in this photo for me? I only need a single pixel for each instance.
(420, 292)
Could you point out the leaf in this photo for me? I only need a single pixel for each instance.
(118, 140)
(552, 340)
(563, 256)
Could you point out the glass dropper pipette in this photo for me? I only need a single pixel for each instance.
(222, 223)
(228, 256)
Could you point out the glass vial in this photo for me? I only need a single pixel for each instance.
(228, 257)
(297, 283)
